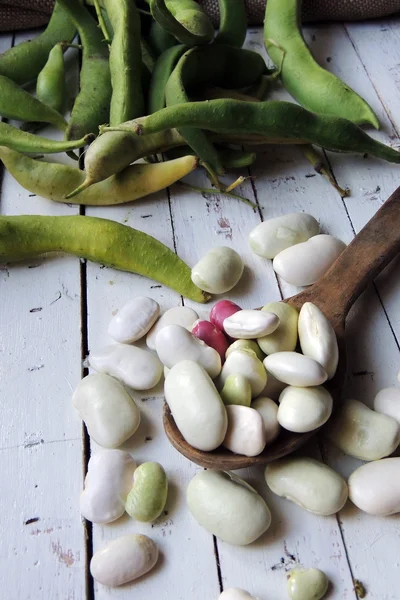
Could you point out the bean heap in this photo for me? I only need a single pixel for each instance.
(234, 381)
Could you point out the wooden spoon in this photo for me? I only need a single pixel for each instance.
(335, 293)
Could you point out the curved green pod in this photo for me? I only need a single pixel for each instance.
(184, 19)
(99, 240)
(23, 62)
(50, 85)
(22, 141)
(312, 86)
(232, 24)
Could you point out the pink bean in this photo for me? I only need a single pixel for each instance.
(221, 311)
(212, 336)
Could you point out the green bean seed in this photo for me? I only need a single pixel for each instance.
(233, 23)
(53, 181)
(22, 141)
(23, 62)
(148, 496)
(92, 105)
(98, 240)
(312, 86)
(184, 19)
(16, 103)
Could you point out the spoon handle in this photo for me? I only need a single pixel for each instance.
(363, 259)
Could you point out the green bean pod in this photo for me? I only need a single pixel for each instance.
(22, 141)
(23, 62)
(163, 68)
(53, 180)
(273, 118)
(92, 105)
(232, 24)
(231, 158)
(50, 85)
(159, 39)
(312, 86)
(99, 240)
(184, 19)
(224, 65)
(16, 103)
(125, 61)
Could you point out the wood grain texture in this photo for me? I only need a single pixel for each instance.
(50, 553)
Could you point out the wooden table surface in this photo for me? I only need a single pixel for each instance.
(54, 309)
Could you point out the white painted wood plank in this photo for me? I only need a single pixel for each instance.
(41, 454)
(181, 545)
(372, 349)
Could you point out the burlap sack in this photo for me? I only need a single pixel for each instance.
(26, 14)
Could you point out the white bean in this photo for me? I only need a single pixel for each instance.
(218, 271)
(308, 483)
(274, 235)
(363, 433)
(107, 409)
(284, 338)
(318, 338)
(304, 409)
(123, 560)
(273, 388)
(249, 324)
(375, 487)
(245, 434)
(135, 367)
(178, 315)
(134, 320)
(241, 362)
(107, 484)
(307, 584)
(268, 410)
(387, 401)
(196, 406)
(174, 343)
(235, 594)
(296, 369)
(305, 263)
(227, 507)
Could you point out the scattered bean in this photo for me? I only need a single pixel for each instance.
(178, 315)
(107, 484)
(296, 369)
(133, 366)
(212, 336)
(227, 507)
(148, 496)
(236, 390)
(375, 487)
(318, 338)
(109, 413)
(387, 401)
(174, 343)
(363, 433)
(235, 594)
(311, 484)
(303, 409)
(218, 271)
(249, 324)
(268, 409)
(307, 584)
(245, 434)
(284, 338)
(134, 320)
(196, 406)
(274, 235)
(305, 263)
(247, 364)
(246, 345)
(221, 311)
(123, 560)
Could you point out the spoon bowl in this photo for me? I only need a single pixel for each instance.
(335, 293)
